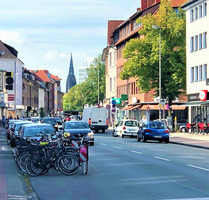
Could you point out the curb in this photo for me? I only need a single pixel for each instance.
(190, 145)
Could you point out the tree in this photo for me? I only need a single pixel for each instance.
(142, 54)
(87, 92)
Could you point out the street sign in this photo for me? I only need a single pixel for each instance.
(108, 106)
(11, 97)
(113, 110)
(160, 105)
(124, 97)
(116, 101)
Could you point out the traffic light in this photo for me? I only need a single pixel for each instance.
(113, 106)
(9, 80)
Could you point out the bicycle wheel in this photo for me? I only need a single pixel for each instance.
(84, 167)
(34, 165)
(68, 164)
(22, 159)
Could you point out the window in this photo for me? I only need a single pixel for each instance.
(191, 15)
(110, 59)
(114, 84)
(204, 9)
(191, 44)
(200, 41)
(196, 13)
(192, 75)
(200, 11)
(196, 74)
(204, 72)
(196, 43)
(110, 84)
(200, 73)
(204, 40)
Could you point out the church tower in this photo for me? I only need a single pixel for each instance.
(71, 80)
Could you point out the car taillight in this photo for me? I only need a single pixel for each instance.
(106, 121)
(147, 130)
(89, 121)
(124, 128)
(166, 131)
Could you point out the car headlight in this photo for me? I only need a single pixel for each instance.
(91, 134)
(66, 135)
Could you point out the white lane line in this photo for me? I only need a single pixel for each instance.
(103, 144)
(118, 148)
(165, 159)
(125, 164)
(204, 198)
(137, 152)
(194, 166)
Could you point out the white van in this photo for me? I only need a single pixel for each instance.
(96, 118)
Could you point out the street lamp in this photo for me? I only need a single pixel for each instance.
(158, 27)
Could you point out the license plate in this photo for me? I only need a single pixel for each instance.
(158, 136)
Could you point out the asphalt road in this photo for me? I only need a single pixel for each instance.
(122, 168)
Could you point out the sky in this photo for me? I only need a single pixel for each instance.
(46, 32)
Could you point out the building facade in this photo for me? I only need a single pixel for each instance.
(197, 26)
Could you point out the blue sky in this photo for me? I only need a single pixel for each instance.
(45, 32)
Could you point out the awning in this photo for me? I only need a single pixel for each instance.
(135, 107)
(128, 108)
(152, 107)
(175, 107)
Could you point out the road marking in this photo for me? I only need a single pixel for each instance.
(123, 164)
(103, 144)
(118, 148)
(198, 167)
(204, 198)
(165, 159)
(137, 152)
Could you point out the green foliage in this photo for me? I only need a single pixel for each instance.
(42, 112)
(142, 54)
(87, 92)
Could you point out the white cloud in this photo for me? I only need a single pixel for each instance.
(11, 37)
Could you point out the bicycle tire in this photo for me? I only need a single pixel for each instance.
(21, 161)
(34, 165)
(65, 161)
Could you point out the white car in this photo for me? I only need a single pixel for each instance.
(126, 127)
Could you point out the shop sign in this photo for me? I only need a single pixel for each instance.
(193, 97)
(11, 97)
(116, 101)
(203, 95)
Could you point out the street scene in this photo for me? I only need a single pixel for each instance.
(104, 100)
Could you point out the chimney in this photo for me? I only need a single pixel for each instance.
(138, 9)
(143, 4)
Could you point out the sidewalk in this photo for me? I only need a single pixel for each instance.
(12, 185)
(193, 140)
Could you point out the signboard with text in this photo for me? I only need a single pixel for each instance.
(11, 97)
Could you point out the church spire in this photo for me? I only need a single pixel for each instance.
(71, 80)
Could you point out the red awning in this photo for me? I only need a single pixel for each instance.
(127, 108)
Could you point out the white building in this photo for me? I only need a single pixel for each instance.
(197, 51)
(13, 67)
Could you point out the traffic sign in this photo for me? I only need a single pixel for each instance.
(160, 105)
(108, 106)
(113, 102)
(113, 110)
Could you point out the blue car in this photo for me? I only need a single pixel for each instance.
(153, 131)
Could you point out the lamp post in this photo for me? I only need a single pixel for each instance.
(158, 27)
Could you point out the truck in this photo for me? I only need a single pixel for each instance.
(96, 117)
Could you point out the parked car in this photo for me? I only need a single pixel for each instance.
(50, 120)
(35, 119)
(9, 126)
(78, 129)
(127, 127)
(34, 131)
(153, 131)
(14, 131)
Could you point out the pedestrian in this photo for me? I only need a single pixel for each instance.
(144, 119)
(3, 121)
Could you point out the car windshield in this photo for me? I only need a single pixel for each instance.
(34, 131)
(50, 121)
(17, 126)
(131, 123)
(157, 125)
(35, 119)
(76, 125)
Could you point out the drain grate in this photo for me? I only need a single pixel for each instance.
(18, 197)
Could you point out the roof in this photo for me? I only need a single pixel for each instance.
(56, 78)
(177, 3)
(188, 3)
(7, 51)
(41, 74)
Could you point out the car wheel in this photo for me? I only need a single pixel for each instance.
(167, 141)
(160, 141)
(92, 144)
(113, 133)
(183, 130)
(138, 139)
(143, 139)
(103, 130)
